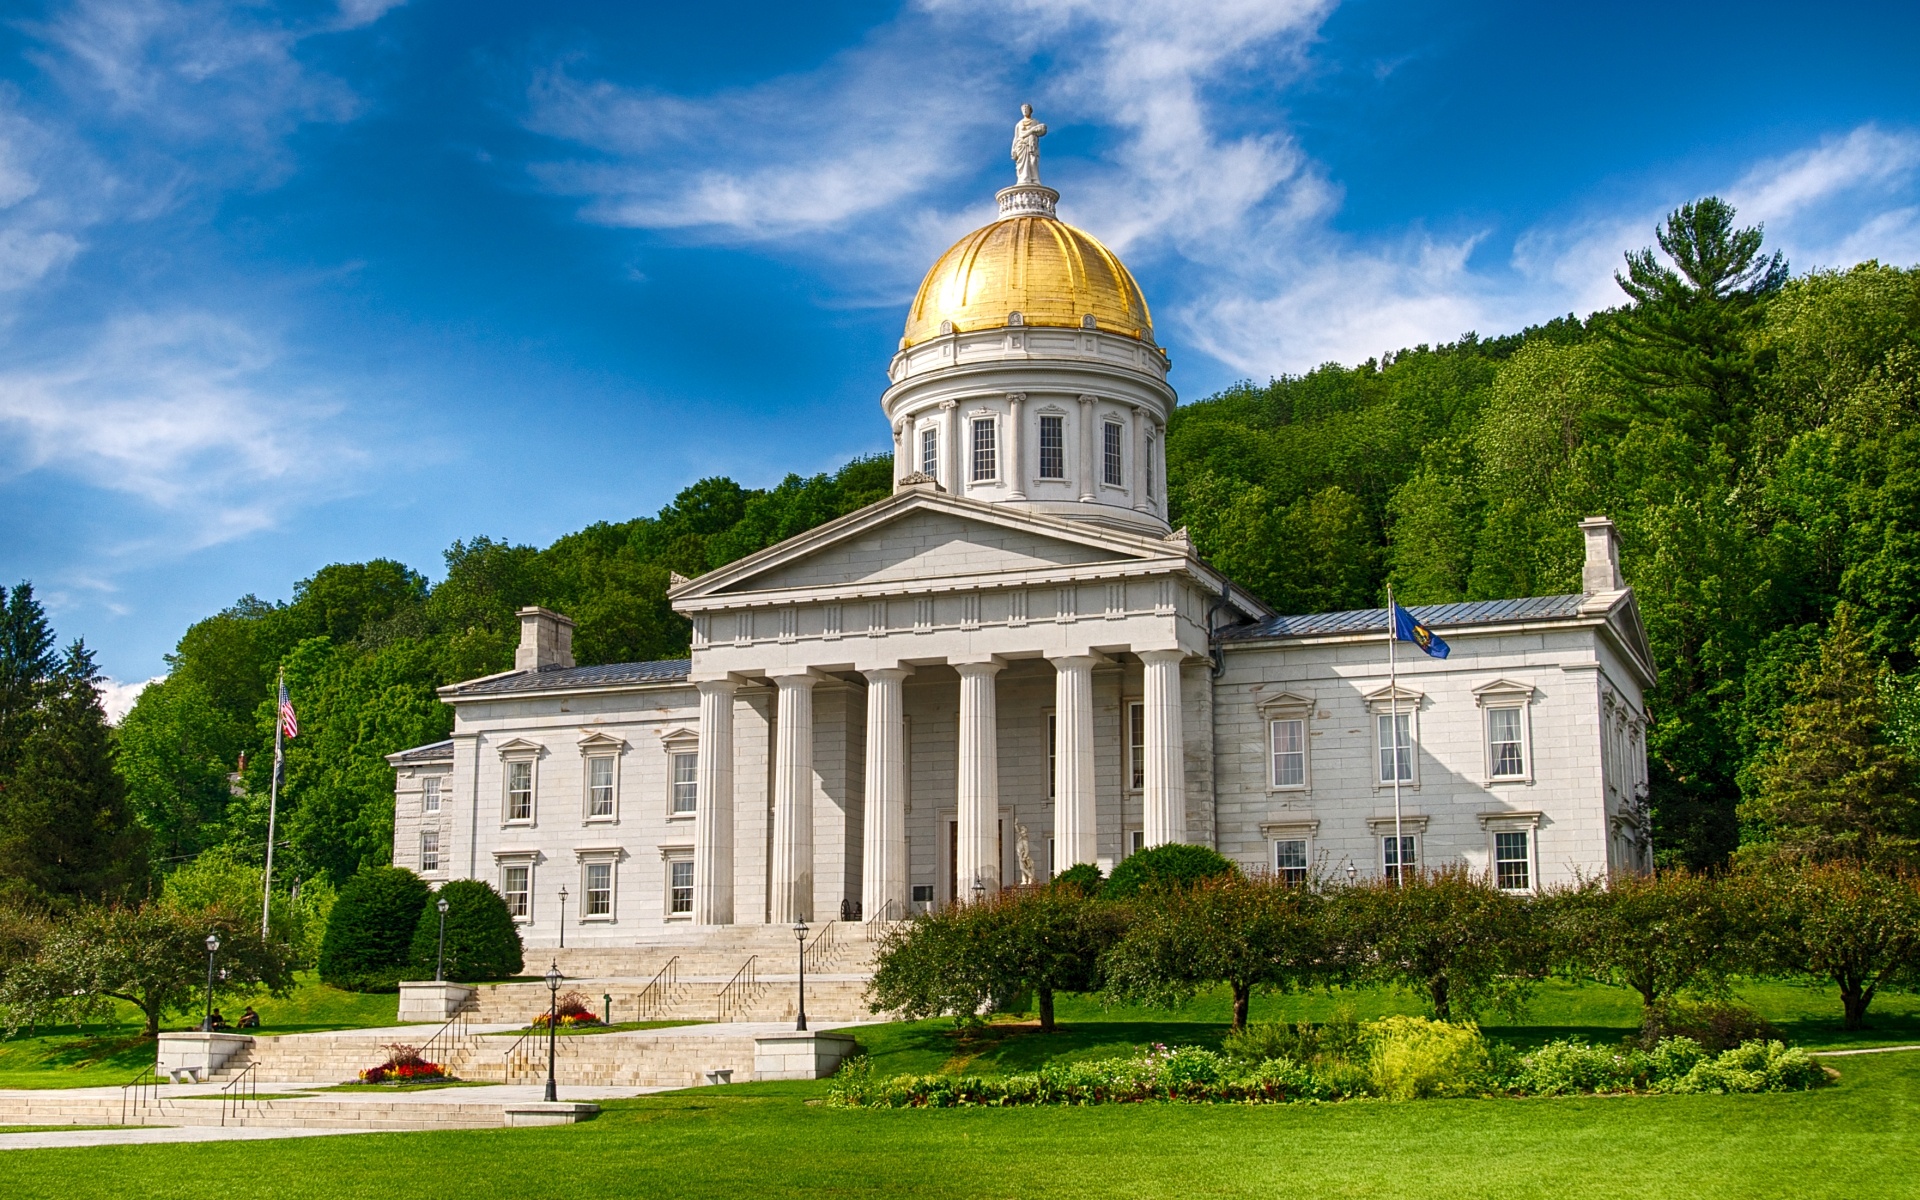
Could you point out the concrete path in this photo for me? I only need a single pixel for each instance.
(1868, 1050)
(141, 1135)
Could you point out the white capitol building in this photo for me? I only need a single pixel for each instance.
(1012, 665)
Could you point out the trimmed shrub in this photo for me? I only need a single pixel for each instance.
(1083, 879)
(1171, 865)
(370, 930)
(1413, 1058)
(1754, 1067)
(1715, 1024)
(482, 940)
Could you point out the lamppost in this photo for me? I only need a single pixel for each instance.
(800, 936)
(553, 1023)
(979, 891)
(563, 916)
(440, 956)
(213, 948)
(1351, 870)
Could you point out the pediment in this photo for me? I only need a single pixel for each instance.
(917, 537)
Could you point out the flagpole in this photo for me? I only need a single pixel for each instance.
(273, 803)
(1393, 723)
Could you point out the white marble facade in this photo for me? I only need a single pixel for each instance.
(1012, 665)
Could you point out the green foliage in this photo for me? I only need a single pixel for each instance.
(1222, 928)
(153, 956)
(27, 661)
(369, 936)
(1661, 935)
(482, 940)
(1084, 879)
(1451, 937)
(175, 749)
(1853, 926)
(1413, 1058)
(1170, 866)
(65, 829)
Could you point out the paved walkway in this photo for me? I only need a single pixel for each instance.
(141, 1135)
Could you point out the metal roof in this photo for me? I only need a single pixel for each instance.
(1438, 616)
(431, 752)
(557, 679)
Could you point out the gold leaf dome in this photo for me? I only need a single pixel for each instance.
(1038, 266)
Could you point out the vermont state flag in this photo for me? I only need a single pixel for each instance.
(1406, 629)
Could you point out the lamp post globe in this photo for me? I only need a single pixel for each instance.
(440, 955)
(213, 948)
(1351, 870)
(800, 937)
(553, 1023)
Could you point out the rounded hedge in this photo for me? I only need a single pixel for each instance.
(482, 940)
(1081, 878)
(370, 931)
(1165, 866)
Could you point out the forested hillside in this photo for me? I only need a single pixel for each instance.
(1754, 435)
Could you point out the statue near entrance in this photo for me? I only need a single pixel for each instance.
(1026, 147)
(1022, 849)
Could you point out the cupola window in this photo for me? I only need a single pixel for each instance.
(1110, 457)
(1053, 448)
(985, 460)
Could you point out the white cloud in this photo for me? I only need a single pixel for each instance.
(179, 412)
(117, 697)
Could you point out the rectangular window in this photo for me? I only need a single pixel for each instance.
(1290, 860)
(430, 798)
(1053, 756)
(680, 887)
(429, 851)
(516, 887)
(1053, 858)
(686, 785)
(1111, 463)
(1512, 865)
(1136, 841)
(1289, 752)
(600, 786)
(923, 893)
(599, 890)
(1136, 745)
(1503, 738)
(985, 465)
(520, 791)
(1393, 858)
(1395, 732)
(1149, 466)
(1053, 448)
(930, 452)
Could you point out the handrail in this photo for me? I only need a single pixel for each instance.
(736, 992)
(875, 926)
(241, 1092)
(561, 1046)
(825, 946)
(653, 997)
(145, 1088)
(447, 1037)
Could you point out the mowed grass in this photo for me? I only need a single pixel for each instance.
(1855, 1139)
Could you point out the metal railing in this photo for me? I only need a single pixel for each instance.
(451, 1040)
(241, 1095)
(656, 995)
(562, 1046)
(876, 925)
(825, 948)
(140, 1094)
(740, 990)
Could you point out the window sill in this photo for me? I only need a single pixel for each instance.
(676, 818)
(687, 917)
(606, 820)
(1292, 789)
(606, 920)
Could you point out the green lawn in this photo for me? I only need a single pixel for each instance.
(1855, 1139)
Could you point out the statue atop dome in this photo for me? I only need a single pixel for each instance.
(1026, 147)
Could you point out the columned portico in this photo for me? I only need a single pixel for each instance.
(977, 861)
(1164, 816)
(791, 877)
(883, 878)
(713, 818)
(1074, 834)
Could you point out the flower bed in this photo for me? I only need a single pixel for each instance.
(573, 1010)
(404, 1065)
(1399, 1058)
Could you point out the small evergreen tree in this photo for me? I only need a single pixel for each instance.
(1172, 865)
(482, 940)
(1836, 785)
(370, 931)
(27, 661)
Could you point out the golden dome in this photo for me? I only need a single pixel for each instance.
(1038, 266)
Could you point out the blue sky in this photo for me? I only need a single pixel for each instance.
(282, 285)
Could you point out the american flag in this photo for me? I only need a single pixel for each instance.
(289, 724)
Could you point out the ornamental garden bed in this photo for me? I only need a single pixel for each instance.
(404, 1065)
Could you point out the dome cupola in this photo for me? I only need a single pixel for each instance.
(1027, 372)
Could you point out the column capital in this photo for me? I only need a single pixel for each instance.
(990, 665)
(805, 677)
(724, 686)
(888, 674)
(1062, 662)
(1162, 656)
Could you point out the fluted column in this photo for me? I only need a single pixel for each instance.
(1165, 802)
(1016, 447)
(977, 857)
(883, 868)
(713, 812)
(1089, 483)
(1137, 441)
(1074, 838)
(791, 883)
(955, 482)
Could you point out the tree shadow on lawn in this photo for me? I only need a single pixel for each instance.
(53, 1059)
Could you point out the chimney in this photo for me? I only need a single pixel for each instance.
(546, 640)
(1602, 570)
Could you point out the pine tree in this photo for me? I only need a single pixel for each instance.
(1836, 785)
(27, 660)
(66, 831)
